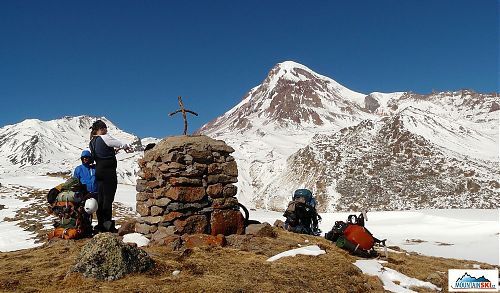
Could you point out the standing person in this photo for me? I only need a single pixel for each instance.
(104, 147)
(86, 172)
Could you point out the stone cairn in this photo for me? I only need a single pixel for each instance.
(186, 186)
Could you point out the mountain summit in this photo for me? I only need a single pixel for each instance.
(361, 151)
(291, 96)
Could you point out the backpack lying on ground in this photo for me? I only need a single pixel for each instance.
(66, 202)
(301, 215)
(354, 237)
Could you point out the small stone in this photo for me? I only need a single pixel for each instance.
(261, 230)
(229, 190)
(161, 202)
(185, 194)
(215, 190)
(156, 210)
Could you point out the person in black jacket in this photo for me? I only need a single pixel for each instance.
(104, 147)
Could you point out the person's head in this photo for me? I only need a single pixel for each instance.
(86, 157)
(98, 128)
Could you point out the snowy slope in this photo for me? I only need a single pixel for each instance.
(282, 131)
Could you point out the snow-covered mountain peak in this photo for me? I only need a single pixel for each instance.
(292, 96)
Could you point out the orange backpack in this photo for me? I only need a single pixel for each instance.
(354, 237)
(66, 203)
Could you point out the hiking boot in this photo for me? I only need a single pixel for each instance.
(109, 226)
(98, 229)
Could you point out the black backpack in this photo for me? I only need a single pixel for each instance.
(301, 215)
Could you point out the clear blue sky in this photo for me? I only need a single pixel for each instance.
(129, 60)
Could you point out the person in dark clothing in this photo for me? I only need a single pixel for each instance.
(104, 147)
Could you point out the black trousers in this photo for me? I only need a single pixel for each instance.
(105, 175)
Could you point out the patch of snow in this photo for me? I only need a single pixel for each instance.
(389, 276)
(137, 238)
(313, 250)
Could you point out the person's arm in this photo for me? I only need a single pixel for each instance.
(113, 142)
(76, 173)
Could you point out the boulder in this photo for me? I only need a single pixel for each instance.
(227, 222)
(105, 257)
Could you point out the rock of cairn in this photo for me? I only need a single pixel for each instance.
(186, 186)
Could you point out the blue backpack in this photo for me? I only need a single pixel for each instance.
(301, 215)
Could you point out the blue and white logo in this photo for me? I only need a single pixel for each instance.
(473, 280)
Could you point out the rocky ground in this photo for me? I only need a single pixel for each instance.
(35, 217)
(240, 266)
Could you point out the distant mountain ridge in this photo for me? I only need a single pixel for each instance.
(361, 151)
(39, 147)
(376, 151)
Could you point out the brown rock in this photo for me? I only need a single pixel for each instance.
(156, 210)
(153, 184)
(214, 168)
(215, 190)
(144, 228)
(222, 147)
(171, 157)
(183, 181)
(152, 220)
(172, 216)
(161, 234)
(230, 169)
(142, 208)
(185, 194)
(229, 190)
(161, 202)
(171, 166)
(221, 178)
(203, 240)
(141, 186)
(127, 227)
(201, 156)
(172, 242)
(143, 196)
(225, 203)
(261, 230)
(226, 222)
(191, 172)
(160, 192)
(192, 225)
(279, 224)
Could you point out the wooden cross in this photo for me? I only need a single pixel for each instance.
(183, 114)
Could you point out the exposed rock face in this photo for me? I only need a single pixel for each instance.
(186, 186)
(371, 104)
(107, 258)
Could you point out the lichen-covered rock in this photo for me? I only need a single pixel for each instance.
(107, 258)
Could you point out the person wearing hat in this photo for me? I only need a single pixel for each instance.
(86, 172)
(104, 148)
